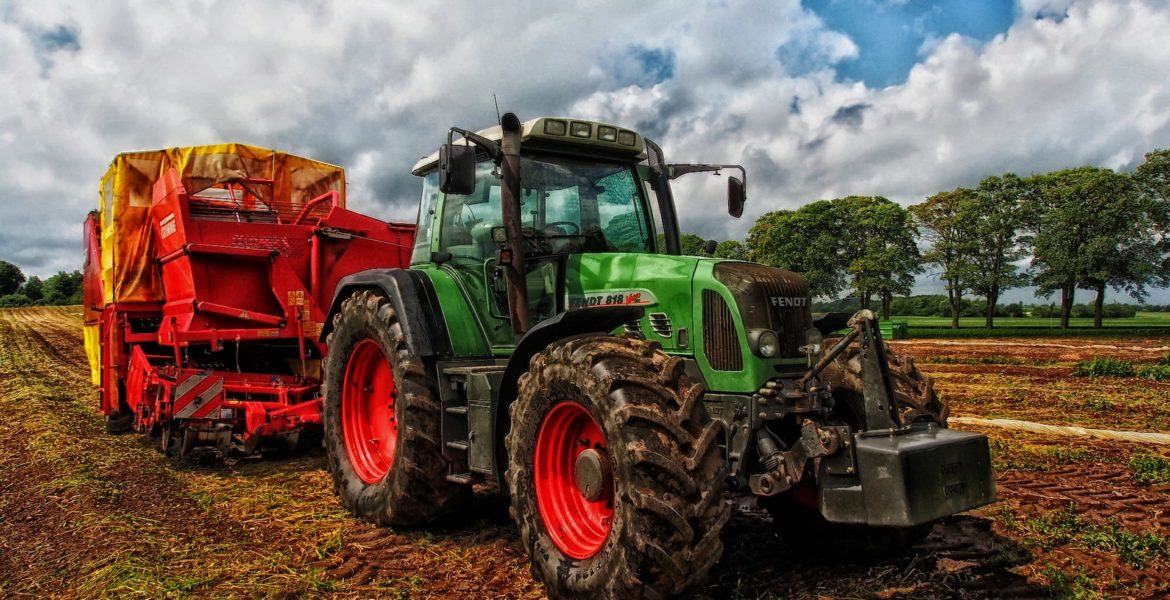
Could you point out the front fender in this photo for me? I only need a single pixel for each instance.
(413, 297)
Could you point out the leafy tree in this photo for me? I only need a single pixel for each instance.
(996, 244)
(731, 249)
(944, 219)
(34, 288)
(11, 278)
(880, 248)
(1093, 229)
(1154, 174)
(861, 242)
(806, 240)
(1153, 177)
(692, 244)
(63, 288)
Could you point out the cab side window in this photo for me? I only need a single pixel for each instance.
(426, 219)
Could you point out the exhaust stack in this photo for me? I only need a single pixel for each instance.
(510, 201)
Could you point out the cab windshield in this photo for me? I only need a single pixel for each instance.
(568, 205)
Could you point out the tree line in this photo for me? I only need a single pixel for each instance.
(938, 305)
(18, 290)
(1086, 228)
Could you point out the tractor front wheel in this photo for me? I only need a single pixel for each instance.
(615, 471)
(381, 420)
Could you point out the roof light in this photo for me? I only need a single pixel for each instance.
(579, 129)
(627, 138)
(554, 127)
(607, 134)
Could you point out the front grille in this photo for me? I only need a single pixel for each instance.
(720, 340)
(660, 323)
(769, 298)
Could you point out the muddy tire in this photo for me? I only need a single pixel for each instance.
(381, 420)
(806, 531)
(642, 518)
(914, 390)
(796, 513)
(119, 423)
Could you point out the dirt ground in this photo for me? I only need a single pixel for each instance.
(84, 514)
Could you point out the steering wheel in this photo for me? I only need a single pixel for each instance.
(576, 229)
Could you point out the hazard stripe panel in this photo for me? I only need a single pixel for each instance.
(197, 396)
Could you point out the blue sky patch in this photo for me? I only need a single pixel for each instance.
(890, 33)
(657, 64)
(61, 38)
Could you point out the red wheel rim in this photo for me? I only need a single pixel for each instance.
(368, 421)
(578, 526)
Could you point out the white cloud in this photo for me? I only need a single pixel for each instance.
(372, 86)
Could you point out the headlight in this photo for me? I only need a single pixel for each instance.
(764, 342)
(813, 341)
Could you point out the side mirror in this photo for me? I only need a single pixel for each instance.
(736, 196)
(709, 247)
(456, 169)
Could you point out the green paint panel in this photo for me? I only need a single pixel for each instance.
(663, 281)
(463, 328)
(667, 287)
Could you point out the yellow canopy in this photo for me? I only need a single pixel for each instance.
(129, 270)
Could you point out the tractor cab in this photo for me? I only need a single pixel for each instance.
(585, 188)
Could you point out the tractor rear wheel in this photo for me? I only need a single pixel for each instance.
(381, 419)
(615, 471)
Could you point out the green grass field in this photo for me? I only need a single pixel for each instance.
(1144, 324)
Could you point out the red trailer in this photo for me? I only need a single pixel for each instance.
(208, 274)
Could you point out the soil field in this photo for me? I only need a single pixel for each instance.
(84, 514)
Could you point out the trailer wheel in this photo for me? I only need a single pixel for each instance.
(381, 420)
(615, 471)
(119, 423)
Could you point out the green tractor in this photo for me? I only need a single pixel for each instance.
(549, 340)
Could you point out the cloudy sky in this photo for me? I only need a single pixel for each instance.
(819, 99)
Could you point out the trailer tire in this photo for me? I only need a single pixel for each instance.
(412, 489)
(662, 471)
(119, 423)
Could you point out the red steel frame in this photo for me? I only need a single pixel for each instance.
(256, 281)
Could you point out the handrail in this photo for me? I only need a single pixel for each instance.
(314, 202)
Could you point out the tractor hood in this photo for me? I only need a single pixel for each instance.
(707, 308)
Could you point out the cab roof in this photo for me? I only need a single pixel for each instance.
(560, 131)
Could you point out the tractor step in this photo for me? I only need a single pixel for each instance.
(466, 391)
(464, 478)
